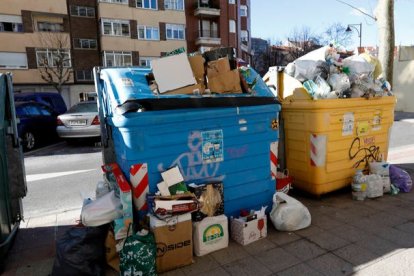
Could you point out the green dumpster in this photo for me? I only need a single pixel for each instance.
(12, 176)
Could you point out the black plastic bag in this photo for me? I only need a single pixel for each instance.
(81, 251)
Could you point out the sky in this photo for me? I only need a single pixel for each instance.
(276, 19)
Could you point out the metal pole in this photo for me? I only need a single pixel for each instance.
(360, 35)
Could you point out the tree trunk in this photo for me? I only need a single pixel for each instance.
(385, 16)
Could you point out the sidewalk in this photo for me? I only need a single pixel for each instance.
(373, 237)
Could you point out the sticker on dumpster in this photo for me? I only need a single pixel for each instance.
(212, 147)
(125, 82)
(376, 121)
(363, 128)
(348, 124)
(273, 159)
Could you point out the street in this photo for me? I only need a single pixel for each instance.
(58, 178)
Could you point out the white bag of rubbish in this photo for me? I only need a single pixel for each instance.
(288, 214)
(102, 210)
(382, 168)
(358, 65)
(375, 186)
(339, 82)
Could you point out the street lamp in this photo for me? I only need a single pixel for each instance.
(348, 29)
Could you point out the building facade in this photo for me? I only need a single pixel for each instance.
(215, 23)
(90, 33)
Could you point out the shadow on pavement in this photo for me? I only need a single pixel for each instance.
(76, 146)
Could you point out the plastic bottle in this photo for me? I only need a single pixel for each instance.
(359, 186)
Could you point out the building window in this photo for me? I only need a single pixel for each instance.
(13, 60)
(11, 23)
(243, 10)
(83, 43)
(115, 27)
(147, 4)
(146, 61)
(244, 35)
(232, 26)
(116, 1)
(53, 57)
(174, 5)
(84, 75)
(82, 11)
(175, 31)
(148, 33)
(49, 27)
(112, 58)
(232, 1)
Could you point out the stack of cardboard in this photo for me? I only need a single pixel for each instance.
(221, 79)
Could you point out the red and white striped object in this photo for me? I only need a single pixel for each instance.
(273, 159)
(317, 150)
(138, 176)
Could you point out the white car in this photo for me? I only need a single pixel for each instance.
(80, 121)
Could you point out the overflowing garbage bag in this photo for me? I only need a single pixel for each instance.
(288, 214)
(81, 251)
(401, 179)
(325, 75)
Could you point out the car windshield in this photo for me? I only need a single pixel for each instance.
(84, 108)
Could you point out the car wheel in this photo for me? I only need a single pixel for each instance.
(29, 140)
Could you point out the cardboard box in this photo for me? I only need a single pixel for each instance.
(174, 241)
(228, 82)
(245, 232)
(172, 72)
(197, 65)
(218, 67)
(210, 234)
(211, 198)
(196, 89)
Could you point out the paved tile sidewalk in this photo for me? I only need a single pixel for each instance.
(373, 237)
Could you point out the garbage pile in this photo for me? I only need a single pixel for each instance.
(325, 75)
(214, 72)
(382, 178)
(146, 234)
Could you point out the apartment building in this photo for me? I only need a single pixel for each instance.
(27, 34)
(215, 23)
(134, 32)
(109, 33)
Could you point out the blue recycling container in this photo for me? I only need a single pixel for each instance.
(217, 137)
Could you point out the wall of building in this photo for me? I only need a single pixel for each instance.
(15, 6)
(403, 85)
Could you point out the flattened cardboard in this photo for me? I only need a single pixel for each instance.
(197, 65)
(188, 90)
(228, 82)
(217, 67)
(172, 72)
(174, 243)
(206, 203)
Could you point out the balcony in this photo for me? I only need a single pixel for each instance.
(208, 37)
(206, 9)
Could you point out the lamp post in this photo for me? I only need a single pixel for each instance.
(348, 29)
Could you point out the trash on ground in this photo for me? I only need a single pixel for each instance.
(289, 214)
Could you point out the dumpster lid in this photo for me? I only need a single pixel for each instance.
(126, 89)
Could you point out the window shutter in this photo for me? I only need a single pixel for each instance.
(161, 6)
(163, 35)
(31, 58)
(27, 21)
(135, 58)
(133, 26)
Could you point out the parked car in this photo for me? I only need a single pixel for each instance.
(54, 100)
(80, 121)
(37, 123)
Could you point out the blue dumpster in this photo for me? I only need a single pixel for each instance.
(218, 137)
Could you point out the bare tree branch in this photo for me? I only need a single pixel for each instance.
(361, 11)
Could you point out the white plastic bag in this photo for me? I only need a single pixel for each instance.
(288, 214)
(375, 186)
(102, 210)
(339, 82)
(382, 168)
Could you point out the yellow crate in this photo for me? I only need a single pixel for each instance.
(326, 140)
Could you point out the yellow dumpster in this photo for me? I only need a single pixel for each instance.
(326, 140)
